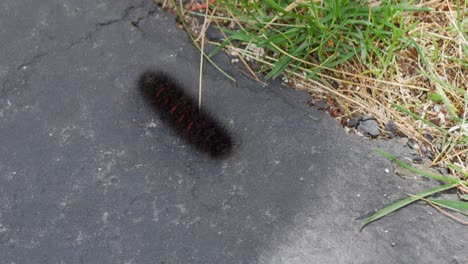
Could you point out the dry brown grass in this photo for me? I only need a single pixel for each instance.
(439, 66)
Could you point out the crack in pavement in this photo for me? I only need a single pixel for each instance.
(89, 35)
(34, 59)
(126, 14)
(136, 22)
(12, 78)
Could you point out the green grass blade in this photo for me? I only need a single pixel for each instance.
(441, 92)
(457, 168)
(279, 67)
(415, 116)
(458, 206)
(179, 13)
(219, 47)
(418, 171)
(406, 201)
(276, 6)
(238, 35)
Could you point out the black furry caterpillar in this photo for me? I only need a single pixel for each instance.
(180, 112)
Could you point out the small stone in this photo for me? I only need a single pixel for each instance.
(257, 51)
(214, 34)
(320, 105)
(444, 170)
(368, 126)
(403, 140)
(428, 137)
(423, 149)
(417, 160)
(333, 83)
(441, 117)
(391, 127)
(354, 122)
(413, 145)
(430, 155)
(439, 146)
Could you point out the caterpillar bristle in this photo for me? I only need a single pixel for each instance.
(180, 111)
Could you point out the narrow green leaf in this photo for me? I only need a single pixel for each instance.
(458, 206)
(418, 171)
(415, 116)
(179, 13)
(276, 6)
(457, 167)
(219, 47)
(406, 201)
(452, 109)
(238, 35)
(404, 7)
(279, 67)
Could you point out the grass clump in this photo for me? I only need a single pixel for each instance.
(317, 37)
(400, 61)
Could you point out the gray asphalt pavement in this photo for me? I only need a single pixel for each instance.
(89, 174)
